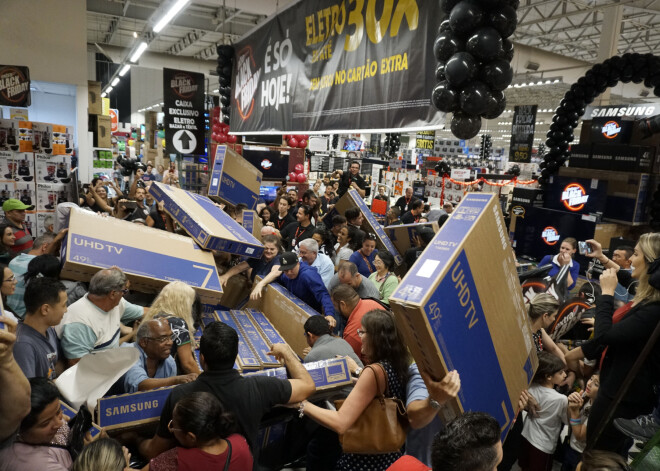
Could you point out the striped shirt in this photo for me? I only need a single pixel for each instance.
(24, 239)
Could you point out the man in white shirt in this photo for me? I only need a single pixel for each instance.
(308, 250)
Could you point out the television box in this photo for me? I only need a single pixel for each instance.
(252, 223)
(327, 374)
(527, 196)
(286, 312)
(49, 195)
(402, 234)
(601, 157)
(52, 168)
(238, 288)
(247, 359)
(131, 410)
(268, 330)
(94, 100)
(628, 194)
(352, 199)
(70, 412)
(450, 299)
(207, 224)
(260, 345)
(628, 158)
(580, 156)
(151, 258)
(233, 179)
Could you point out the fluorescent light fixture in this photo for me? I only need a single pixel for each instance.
(103, 95)
(216, 90)
(138, 52)
(556, 81)
(548, 82)
(176, 8)
(162, 103)
(124, 69)
(115, 82)
(108, 90)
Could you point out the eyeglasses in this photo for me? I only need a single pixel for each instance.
(123, 291)
(10, 279)
(361, 332)
(171, 429)
(162, 339)
(371, 236)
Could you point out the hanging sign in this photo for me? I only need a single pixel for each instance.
(425, 140)
(114, 120)
(14, 86)
(522, 134)
(328, 65)
(184, 112)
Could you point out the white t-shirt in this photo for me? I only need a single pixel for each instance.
(575, 444)
(542, 431)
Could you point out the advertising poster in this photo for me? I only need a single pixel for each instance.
(328, 65)
(184, 112)
(14, 86)
(522, 133)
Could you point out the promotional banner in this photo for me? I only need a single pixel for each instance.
(328, 65)
(14, 85)
(425, 140)
(522, 133)
(184, 111)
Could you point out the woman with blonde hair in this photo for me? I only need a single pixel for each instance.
(175, 303)
(104, 454)
(619, 337)
(542, 312)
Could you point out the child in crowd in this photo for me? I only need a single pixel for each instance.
(579, 405)
(540, 432)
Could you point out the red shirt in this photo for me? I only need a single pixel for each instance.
(408, 463)
(194, 459)
(355, 322)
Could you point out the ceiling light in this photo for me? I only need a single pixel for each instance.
(124, 69)
(548, 82)
(216, 90)
(115, 82)
(135, 34)
(108, 90)
(540, 82)
(138, 52)
(103, 95)
(556, 81)
(176, 8)
(531, 84)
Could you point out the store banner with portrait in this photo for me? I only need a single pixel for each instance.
(330, 65)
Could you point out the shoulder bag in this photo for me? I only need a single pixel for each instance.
(383, 425)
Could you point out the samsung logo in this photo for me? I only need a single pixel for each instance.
(623, 111)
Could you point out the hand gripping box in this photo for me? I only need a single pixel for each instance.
(352, 199)
(233, 179)
(402, 234)
(461, 307)
(151, 258)
(210, 226)
(131, 410)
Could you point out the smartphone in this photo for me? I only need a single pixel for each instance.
(130, 205)
(584, 248)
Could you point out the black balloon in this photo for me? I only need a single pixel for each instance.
(224, 101)
(225, 51)
(223, 81)
(448, 5)
(465, 126)
(445, 98)
(507, 50)
(460, 68)
(446, 45)
(475, 97)
(440, 71)
(485, 44)
(504, 20)
(496, 105)
(466, 16)
(498, 74)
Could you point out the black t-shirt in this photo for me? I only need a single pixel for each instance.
(405, 205)
(159, 222)
(409, 218)
(411, 255)
(248, 398)
(282, 223)
(294, 233)
(345, 182)
(261, 267)
(138, 213)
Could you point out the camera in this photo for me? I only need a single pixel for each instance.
(595, 269)
(141, 184)
(584, 248)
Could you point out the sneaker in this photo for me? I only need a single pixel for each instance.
(643, 427)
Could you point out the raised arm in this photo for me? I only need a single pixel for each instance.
(15, 399)
(302, 384)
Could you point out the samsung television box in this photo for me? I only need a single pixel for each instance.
(233, 179)
(207, 224)
(151, 258)
(352, 199)
(402, 235)
(461, 307)
(131, 410)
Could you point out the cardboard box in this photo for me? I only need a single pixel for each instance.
(42, 220)
(352, 199)
(131, 410)
(25, 136)
(628, 194)
(23, 167)
(53, 139)
(252, 223)
(627, 158)
(94, 103)
(527, 197)
(247, 359)
(49, 195)
(70, 413)
(9, 135)
(151, 258)
(206, 223)
(52, 168)
(402, 234)
(460, 307)
(601, 157)
(254, 338)
(100, 127)
(233, 179)
(267, 330)
(25, 193)
(327, 374)
(7, 166)
(238, 288)
(286, 312)
(580, 156)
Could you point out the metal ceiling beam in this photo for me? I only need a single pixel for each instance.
(112, 29)
(578, 12)
(188, 40)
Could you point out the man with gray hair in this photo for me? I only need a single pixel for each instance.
(155, 368)
(348, 274)
(93, 322)
(308, 250)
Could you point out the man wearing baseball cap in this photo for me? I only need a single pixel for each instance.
(304, 282)
(15, 217)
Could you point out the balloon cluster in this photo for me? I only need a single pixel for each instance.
(541, 150)
(443, 168)
(220, 130)
(486, 147)
(392, 143)
(224, 69)
(297, 175)
(335, 141)
(627, 68)
(296, 140)
(514, 170)
(474, 61)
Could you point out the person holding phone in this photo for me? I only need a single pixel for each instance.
(567, 250)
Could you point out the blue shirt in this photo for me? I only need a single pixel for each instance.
(323, 264)
(365, 265)
(309, 287)
(138, 372)
(574, 270)
(19, 266)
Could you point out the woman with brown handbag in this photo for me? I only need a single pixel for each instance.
(371, 422)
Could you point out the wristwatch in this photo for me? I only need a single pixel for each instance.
(357, 372)
(434, 404)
